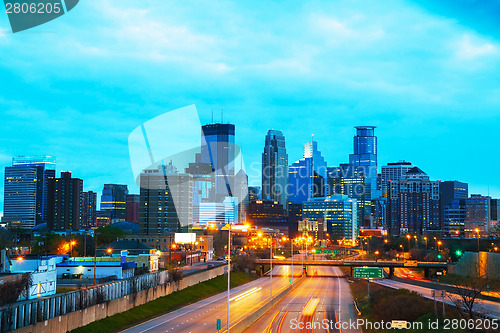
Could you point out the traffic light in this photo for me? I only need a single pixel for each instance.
(439, 256)
(458, 253)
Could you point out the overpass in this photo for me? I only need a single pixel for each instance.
(427, 266)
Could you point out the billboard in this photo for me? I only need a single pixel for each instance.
(185, 237)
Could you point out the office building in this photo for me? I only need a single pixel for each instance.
(241, 193)
(452, 196)
(132, 208)
(393, 172)
(478, 210)
(339, 215)
(254, 193)
(114, 199)
(166, 202)
(265, 213)
(218, 149)
(413, 204)
(275, 168)
(102, 218)
(89, 204)
(64, 204)
(25, 190)
(307, 176)
(294, 215)
(495, 209)
(365, 148)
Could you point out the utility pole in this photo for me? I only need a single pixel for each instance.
(291, 242)
(271, 253)
(228, 272)
(95, 255)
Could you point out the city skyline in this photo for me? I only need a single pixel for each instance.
(251, 168)
(423, 73)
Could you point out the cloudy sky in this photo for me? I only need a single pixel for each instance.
(426, 74)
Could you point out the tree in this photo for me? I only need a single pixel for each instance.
(108, 234)
(466, 290)
(495, 231)
(10, 291)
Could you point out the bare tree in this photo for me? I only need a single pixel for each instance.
(467, 289)
(10, 291)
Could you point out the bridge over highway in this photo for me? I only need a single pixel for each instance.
(427, 266)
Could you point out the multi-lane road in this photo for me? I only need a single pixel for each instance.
(325, 294)
(202, 316)
(325, 299)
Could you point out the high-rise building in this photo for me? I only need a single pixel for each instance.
(114, 199)
(452, 195)
(217, 214)
(413, 204)
(65, 196)
(241, 193)
(25, 190)
(265, 213)
(495, 209)
(166, 202)
(307, 176)
(203, 185)
(477, 215)
(351, 180)
(275, 168)
(365, 148)
(88, 210)
(132, 208)
(338, 213)
(218, 149)
(254, 193)
(294, 215)
(393, 172)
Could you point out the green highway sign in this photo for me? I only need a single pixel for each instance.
(327, 251)
(368, 273)
(219, 324)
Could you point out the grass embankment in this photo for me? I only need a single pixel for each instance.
(165, 304)
(387, 304)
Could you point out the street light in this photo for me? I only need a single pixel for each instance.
(72, 243)
(439, 243)
(425, 239)
(109, 250)
(408, 237)
(477, 231)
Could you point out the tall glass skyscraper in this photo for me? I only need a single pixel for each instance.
(25, 195)
(307, 176)
(365, 147)
(218, 149)
(275, 168)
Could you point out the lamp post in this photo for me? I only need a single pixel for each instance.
(409, 238)
(72, 243)
(425, 239)
(291, 244)
(271, 253)
(477, 232)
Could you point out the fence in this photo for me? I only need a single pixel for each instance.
(19, 315)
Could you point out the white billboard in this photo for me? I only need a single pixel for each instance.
(185, 237)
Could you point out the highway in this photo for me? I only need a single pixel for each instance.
(316, 299)
(487, 307)
(202, 316)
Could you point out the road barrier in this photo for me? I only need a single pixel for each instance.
(68, 311)
(252, 318)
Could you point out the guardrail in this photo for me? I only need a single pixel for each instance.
(252, 318)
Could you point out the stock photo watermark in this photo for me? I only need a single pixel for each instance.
(26, 14)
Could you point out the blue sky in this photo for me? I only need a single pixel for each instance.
(426, 74)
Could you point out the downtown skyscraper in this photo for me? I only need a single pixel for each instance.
(275, 168)
(26, 184)
(218, 149)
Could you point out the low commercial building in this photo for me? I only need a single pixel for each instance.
(42, 271)
(79, 269)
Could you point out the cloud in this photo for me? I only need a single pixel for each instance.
(471, 47)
